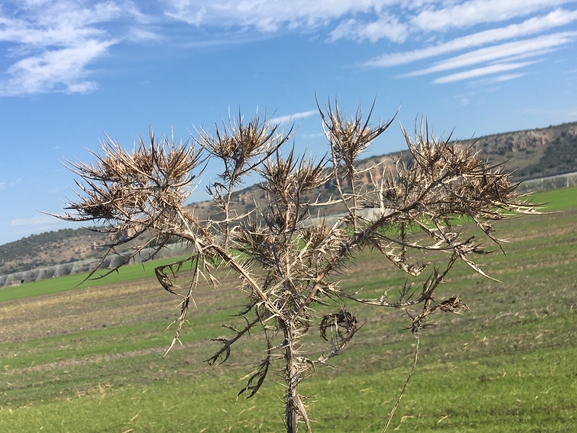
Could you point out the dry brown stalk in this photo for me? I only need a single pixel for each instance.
(288, 264)
(242, 148)
(348, 139)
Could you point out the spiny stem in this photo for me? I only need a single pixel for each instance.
(394, 409)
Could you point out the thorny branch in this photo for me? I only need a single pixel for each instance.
(287, 260)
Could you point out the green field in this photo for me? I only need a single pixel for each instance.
(90, 358)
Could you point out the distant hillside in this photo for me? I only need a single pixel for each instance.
(62, 246)
(530, 153)
(533, 153)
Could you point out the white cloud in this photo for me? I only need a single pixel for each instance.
(270, 15)
(520, 49)
(506, 77)
(138, 34)
(388, 27)
(53, 42)
(361, 20)
(55, 22)
(38, 220)
(479, 72)
(47, 71)
(473, 12)
(557, 18)
(506, 44)
(292, 117)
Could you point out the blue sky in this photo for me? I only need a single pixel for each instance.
(72, 71)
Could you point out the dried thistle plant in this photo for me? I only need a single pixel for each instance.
(348, 139)
(241, 147)
(130, 194)
(289, 263)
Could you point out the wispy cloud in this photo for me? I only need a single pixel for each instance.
(479, 72)
(520, 49)
(511, 37)
(473, 12)
(138, 34)
(490, 51)
(505, 77)
(53, 42)
(295, 116)
(271, 15)
(11, 184)
(39, 220)
(51, 45)
(49, 70)
(557, 18)
(388, 27)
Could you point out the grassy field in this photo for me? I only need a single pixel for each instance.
(90, 358)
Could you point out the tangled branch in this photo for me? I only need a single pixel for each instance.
(288, 262)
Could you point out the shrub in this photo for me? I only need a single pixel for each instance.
(287, 263)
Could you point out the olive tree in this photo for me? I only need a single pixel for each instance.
(287, 261)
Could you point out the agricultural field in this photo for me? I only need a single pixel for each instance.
(91, 357)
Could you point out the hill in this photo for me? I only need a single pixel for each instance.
(533, 153)
(529, 153)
